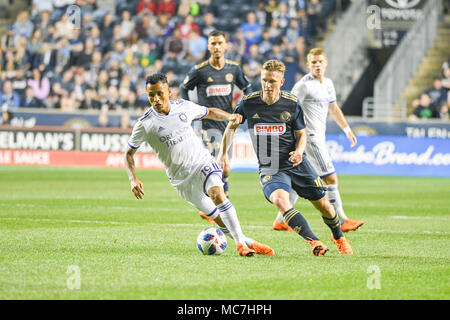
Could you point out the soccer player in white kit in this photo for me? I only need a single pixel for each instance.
(318, 97)
(192, 171)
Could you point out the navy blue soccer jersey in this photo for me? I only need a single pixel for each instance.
(272, 128)
(215, 88)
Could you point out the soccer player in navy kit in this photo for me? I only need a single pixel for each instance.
(277, 128)
(215, 79)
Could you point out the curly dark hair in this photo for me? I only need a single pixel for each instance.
(155, 78)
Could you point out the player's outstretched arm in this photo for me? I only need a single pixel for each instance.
(227, 139)
(220, 115)
(136, 185)
(296, 156)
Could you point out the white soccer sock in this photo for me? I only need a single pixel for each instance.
(229, 218)
(293, 197)
(335, 199)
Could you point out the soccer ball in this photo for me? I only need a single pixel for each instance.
(211, 241)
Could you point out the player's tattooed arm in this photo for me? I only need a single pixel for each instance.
(296, 156)
(136, 185)
(220, 115)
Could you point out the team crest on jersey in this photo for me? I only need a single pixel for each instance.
(229, 77)
(285, 116)
(210, 79)
(183, 117)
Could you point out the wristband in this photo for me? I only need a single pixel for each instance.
(347, 130)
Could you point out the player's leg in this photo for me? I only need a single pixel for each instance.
(227, 218)
(334, 197)
(276, 189)
(279, 224)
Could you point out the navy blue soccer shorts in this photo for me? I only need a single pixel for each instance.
(302, 178)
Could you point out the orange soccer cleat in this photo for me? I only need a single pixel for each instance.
(281, 226)
(351, 225)
(343, 245)
(244, 251)
(319, 248)
(262, 248)
(204, 216)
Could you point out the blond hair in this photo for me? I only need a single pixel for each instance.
(274, 65)
(316, 52)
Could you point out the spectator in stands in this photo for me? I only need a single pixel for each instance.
(114, 73)
(30, 101)
(175, 44)
(40, 6)
(252, 30)
(265, 46)
(9, 39)
(197, 47)
(19, 83)
(147, 6)
(40, 85)
(125, 120)
(146, 56)
(10, 65)
(251, 65)
(76, 47)
(6, 117)
(294, 31)
(44, 24)
(22, 56)
(106, 28)
(446, 78)
(443, 110)
(80, 85)
(422, 108)
(127, 25)
(293, 71)
(112, 100)
(90, 101)
(44, 59)
(131, 102)
(64, 27)
(168, 7)
(207, 24)
(271, 8)
(9, 99)
(62, 54)
(23, 26)
(313, 11)
(237, 46)
(275, 32)
(282, 15)
(437, 94)
(187, 26)
(67, 85)
(261, 13)
(103, 119)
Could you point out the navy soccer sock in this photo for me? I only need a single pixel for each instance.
(334, 226)
(296, 221)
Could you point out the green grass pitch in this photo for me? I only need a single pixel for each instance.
(68, 233)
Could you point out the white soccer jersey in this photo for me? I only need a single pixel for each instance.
(173, 139)
(315, 98)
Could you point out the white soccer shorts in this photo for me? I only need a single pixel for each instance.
(319, 157)
(195, 189)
